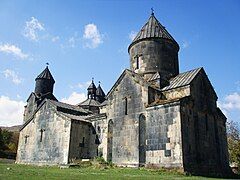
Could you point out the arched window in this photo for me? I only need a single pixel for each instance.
(110, 140)
(142, 139)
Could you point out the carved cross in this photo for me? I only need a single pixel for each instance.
(26, 137)
(152, 11)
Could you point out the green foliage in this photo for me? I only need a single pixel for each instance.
(1, 140)
(234, 143)
(6, 135)
(8, 141)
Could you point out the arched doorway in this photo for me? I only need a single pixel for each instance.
(109, 140)
(142, 140)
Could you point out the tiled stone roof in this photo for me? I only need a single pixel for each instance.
(182, 79)
(89, 102)
(153, 29)
(70, 107)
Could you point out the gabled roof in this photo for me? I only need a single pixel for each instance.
(182, 79)
(104, 103)
(65, 109)
(69, 106)
(48, 95)
(89, 102)
(74, 117)
(131, 73)
(46, 74)
(152, 29)
(154, 77)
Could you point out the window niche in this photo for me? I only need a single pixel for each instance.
(82, 144)
(137, 61)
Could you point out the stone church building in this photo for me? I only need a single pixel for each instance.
(153, 115)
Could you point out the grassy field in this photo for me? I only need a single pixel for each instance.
(15, 171)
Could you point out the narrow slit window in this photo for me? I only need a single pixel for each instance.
(206, 122)
(83, 141)
(137, 62)
(126, 105)
(41, 135)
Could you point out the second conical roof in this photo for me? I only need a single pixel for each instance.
(99, 91)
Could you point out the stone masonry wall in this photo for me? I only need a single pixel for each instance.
(83, 143)
(158, 55)
(203, 129)
(101, 126)
(125, 124)
(53, 147)
(163, 136)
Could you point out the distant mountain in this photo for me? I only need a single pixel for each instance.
(12, 128)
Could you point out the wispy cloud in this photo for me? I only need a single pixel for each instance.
(84, 85)
(74, 98)
(132, 35)
(11, 111)
(32, 28)
(55, 38)
(185, 44)
(92, 36)
(72, 42)
(13, 50)
(13, 76)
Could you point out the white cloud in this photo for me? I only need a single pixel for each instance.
(10, 74)
(230, 106)
(32, 28)
(185, 44)
(14, 50)
(71, 42)
(92, 36)
(84, 85)
(55, 38)
(74, 98)
(132, 35)
(11, 111)
(231, 102)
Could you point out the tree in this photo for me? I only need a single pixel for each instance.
(234, 142)
(1, 140)
(6, 136)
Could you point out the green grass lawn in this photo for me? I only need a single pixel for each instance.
(16, 171)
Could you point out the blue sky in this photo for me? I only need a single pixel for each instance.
(85, 39)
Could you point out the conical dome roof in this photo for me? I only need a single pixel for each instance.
(152, 29)
(99, 91)
(46, 74)
(91, 86)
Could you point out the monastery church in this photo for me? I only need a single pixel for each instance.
(153, 115)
